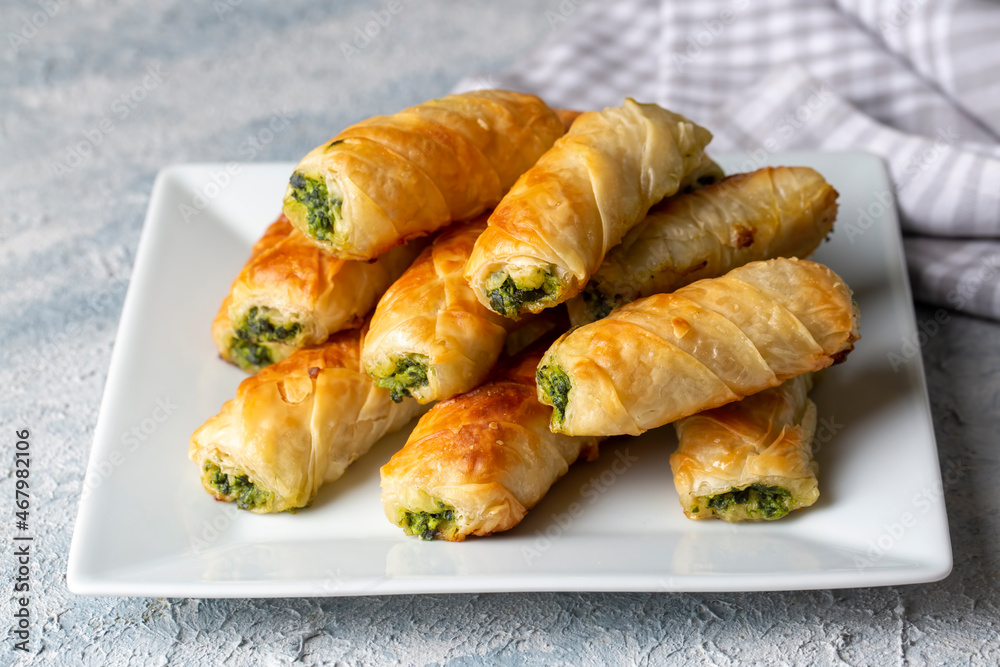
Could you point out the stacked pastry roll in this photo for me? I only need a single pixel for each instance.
(772, 212)
(292, 293)
(430, 338)
(550, 233)
(294, 426)
(475, 464)
(751, 460)
(715, 341)
(390, 178)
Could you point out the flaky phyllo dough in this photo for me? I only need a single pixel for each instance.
(475, 464)
(713, 342)
(551, 231)
(294, 426)
(772, 212)
(751, 460)
(430, 338)
(292, 293)
(390, 178)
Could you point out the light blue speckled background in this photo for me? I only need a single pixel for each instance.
(67, 244)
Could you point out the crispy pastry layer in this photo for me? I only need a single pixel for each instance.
(430, 338)
(292, 293)
(294, 426)
(715, 341)
(390, 178)
(476, 463)
(772, 212)
(551, 231)
(750, 460)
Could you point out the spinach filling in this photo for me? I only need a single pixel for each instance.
(322, 211)
(598, 304)
(409, 372)
(249, 355)
(258, 327)
(507, 298)
(555, 386)
(235, 487)
(428, 525)
(768, 502)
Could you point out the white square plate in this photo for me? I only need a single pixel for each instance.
(147, 528)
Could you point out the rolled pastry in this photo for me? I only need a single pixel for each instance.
(713, 342)
(551, 231)
(750, 460)
(772, 212)
(390, 178)
(295, 426)
(291, 293)
(475, 464)
(430, 338)
(706, 173)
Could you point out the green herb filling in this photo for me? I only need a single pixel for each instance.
(555, 386)
(249, 355)
(322, 211)
(428, 525)
(507, 298)
(409, 372)
(236, 487)
(257, 327)
(598, 304)
(757, 500)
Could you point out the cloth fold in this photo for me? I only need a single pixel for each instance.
(915, 82)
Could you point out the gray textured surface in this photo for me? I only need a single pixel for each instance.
(67, 244)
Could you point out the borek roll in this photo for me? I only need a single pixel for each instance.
(550, 233)
(475, 464)
(295, 426)
(751, 460)
(772, 212)
(713, 342)
(390, 178)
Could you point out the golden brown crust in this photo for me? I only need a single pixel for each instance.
(406, 175)
(300, 422)
(772, 212)
(580, 198)
(707, 344)
(567, 116)
(487, 455)
(291, 281)
(432, 313)
(764, 439)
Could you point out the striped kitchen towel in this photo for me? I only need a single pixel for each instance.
(914, 81)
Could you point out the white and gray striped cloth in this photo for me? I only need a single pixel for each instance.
(914, 81)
